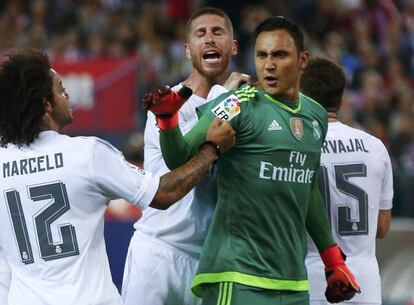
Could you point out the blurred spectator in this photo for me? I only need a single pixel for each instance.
(372, 39)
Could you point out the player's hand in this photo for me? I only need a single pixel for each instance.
(164, 102)
(221, 133)
(236, 79)
(341, 283)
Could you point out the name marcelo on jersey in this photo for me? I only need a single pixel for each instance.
(32, 165)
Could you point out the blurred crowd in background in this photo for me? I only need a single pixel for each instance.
(372, 39)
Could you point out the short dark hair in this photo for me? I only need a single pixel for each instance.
(324, 81)
(208, 11)
(25, 84)
(282, 23)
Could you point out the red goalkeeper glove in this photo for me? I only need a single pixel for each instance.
(342, 284)
(164, 102)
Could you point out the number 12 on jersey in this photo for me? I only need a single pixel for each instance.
(58, 205)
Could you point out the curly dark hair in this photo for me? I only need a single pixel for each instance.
(325, 82)
(282, 23)
(25, 84)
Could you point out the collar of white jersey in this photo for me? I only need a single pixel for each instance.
(195, 99)
(47, 133)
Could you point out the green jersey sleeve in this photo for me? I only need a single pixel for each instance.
(317, 222)
(178, 149)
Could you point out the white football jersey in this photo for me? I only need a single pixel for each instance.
(185, 224)
(356, 182)
(4, 278)
(54, 195)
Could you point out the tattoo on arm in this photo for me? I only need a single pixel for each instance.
(174, 185)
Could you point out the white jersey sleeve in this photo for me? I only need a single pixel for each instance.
(4, 278)
(356, 183)
(387, 181)
(117, 178)
(215, 92)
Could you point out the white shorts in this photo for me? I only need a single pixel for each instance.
(155, 274)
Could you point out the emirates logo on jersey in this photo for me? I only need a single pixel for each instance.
(296, 125)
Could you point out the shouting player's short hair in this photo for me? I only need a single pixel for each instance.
(325, 82)
(25, 85)
(209, 11)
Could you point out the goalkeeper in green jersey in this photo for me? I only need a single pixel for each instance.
(268, 196)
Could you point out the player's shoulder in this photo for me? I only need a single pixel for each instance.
(308, 102)
(242, 94)
(360, 133)
(352, 132)
(93, 143)
(245, 92)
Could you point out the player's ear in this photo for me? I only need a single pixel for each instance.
(234, 47)
(47, 105)
(187, 51)
(304, 59)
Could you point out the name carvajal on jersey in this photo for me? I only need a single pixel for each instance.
(228, 108)
(32, 165)
(337, 146)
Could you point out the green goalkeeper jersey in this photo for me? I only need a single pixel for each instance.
(266, 184)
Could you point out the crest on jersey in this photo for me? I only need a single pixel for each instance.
(316, 131)
(228, 108)
(140, 170)
(296, 125)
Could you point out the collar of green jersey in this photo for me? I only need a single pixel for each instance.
(245, 92)
(287, 105)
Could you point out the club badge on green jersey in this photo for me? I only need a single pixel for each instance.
(228, 108)
(296, 125)
(316, 131)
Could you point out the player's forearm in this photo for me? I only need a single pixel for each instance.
(176, 151)
(317, 222)
(174, 185)
(384, 222)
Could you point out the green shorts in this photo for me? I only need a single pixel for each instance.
(229, 293)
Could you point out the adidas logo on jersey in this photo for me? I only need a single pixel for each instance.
(274, 126)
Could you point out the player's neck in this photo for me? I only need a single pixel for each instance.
(48, 123)
(201, 85)
(332, 117)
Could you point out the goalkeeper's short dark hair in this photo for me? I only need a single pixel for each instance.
(25, 83)
(209, 11)
(324, 81)
(282, 23)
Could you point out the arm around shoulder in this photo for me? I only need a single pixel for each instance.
(177, 183)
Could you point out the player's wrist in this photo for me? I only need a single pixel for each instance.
(332, 256)
(167, 122)
(213, 147)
